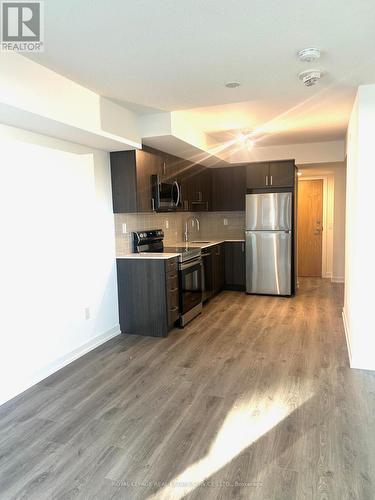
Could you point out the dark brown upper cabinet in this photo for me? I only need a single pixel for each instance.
(131, 179)
(270, 175)
(196, 188)
(229, 188)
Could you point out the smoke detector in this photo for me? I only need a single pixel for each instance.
(310, 77)
(309, 55)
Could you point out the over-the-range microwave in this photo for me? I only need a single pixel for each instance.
(166, 195)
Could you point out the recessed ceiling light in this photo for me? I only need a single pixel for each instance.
(309, 55)
(242, 137)
(246, 139)
(249, 144)
(232, 85)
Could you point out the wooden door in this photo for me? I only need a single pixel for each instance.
(310, 227)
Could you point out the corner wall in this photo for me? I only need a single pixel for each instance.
(58, 278)
(358, 313)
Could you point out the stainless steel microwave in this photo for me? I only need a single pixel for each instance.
(166, 195)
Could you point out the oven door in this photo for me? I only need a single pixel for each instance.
(190, 284)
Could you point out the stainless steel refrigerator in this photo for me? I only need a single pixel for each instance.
(269, 243)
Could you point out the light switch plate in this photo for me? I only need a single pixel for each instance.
(225, 221)
(124, 229)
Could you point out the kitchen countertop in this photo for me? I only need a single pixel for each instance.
(150, 255)
(164, 256)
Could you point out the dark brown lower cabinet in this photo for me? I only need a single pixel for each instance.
(218, 267)
(148, 296)
(235, 265)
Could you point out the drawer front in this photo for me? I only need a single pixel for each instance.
(173, 306)
(171, 265)
(173, 298)
(172, 282)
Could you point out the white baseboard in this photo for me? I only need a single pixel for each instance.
(347, 336)
(362, 362)
(59, 363)
(338, 279)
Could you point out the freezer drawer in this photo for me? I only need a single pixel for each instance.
(268, 262)
(269, 212)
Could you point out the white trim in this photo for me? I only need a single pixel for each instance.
(60, 363)
(338, 279)
(347, 336)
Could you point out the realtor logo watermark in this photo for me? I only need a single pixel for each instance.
(22, 26)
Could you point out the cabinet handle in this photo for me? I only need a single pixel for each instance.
(243, 247)
(271, 180)
(153, 204)
(173, 308)
(266, 180)
(173, 289)
(164, 167)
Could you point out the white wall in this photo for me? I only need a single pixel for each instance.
(36, 98)
(57, 256)
(358, 310)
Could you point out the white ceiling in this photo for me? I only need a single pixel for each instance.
(177, 55)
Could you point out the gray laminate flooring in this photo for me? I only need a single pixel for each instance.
(254, 400)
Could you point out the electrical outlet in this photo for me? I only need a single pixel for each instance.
(87, 313)
(225, 221)
(167, 224)
(124, 228)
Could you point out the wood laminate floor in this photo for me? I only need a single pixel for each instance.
(254, 400)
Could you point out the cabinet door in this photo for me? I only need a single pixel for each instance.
(124, 184)
(147, 164)
(229, 188)
(235, 277)
(282, 173)
(218, 259)
(257, 175)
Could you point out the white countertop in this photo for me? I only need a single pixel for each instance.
(150, 255)
(155, 255)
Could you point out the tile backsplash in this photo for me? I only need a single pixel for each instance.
(173, 224)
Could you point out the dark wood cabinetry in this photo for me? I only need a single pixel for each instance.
(235, 265)
(229, 188)
(196, 188)
(202, 188)
(218, 267)
(270, 175)
(131, 180)
(144, 309)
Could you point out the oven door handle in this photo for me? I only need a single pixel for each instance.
(187, 265)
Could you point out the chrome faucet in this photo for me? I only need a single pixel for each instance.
(186, 233)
